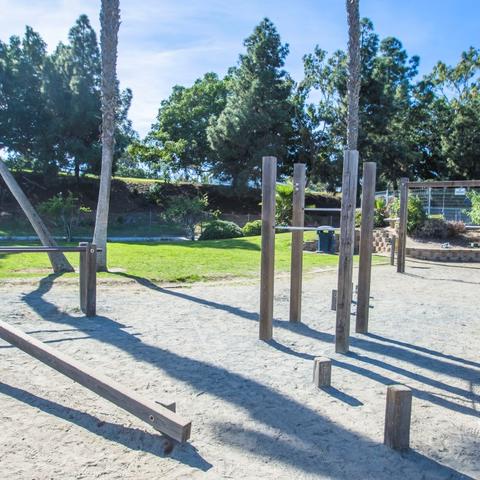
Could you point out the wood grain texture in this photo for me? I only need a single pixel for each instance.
(366, 247)
(345, 262)
(160, 418)
(322, 372)
(398, 417)
(296, 265)
(402, 225)
(91, 280)
(267, 266)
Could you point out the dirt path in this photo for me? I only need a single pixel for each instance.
(255, 412)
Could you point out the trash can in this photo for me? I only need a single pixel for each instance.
(326, 240)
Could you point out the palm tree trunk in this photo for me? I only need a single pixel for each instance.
(110, 23)
(354, 73)
(57, 259)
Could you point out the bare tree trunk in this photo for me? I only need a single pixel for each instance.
(57, 259)
(110, 23)
(353, 82)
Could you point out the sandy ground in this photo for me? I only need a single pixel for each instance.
(255, 412)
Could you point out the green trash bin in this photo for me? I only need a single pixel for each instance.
(326, 240)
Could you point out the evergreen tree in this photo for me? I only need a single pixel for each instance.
(256, 120)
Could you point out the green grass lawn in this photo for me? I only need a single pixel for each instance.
(178, 261)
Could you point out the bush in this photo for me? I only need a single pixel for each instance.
(284, 204)
(433, 228)
(379, 215)
(187, 211)
(252, 228)
(219, 229)
(474, 212)
(416, 213)
(456, 228)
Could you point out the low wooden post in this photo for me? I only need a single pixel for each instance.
(345, 262)
(298, 220)
(267, 269)
(334, 300)
(90, 280)
(402, 225)
(397, 417)
(83, 275)
(392, 250)
(366, 247)
(159, 417)
(322, 372)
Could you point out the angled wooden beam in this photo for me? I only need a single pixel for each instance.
(159, 417)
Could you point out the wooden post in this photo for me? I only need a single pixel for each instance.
(397, 417)
(345, 261)
(83, 276)
(298, 219)
(160, 418)
(269, 175)
(91, 280)
(322, 372)
(334, 300)
(366, 246)
(402, 225)
(392, 250)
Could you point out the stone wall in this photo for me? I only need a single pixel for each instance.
(444, 254)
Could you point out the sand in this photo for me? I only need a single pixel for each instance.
(255, 412)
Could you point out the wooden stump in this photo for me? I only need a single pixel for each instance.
(397, 417)
(322, 372)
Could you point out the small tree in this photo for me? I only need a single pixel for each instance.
(63, 210)
(188, 212)
(284, 204)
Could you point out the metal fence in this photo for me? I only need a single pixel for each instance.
(452, 203)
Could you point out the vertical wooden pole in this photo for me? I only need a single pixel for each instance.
(298, 219)
(83, 276)
(397, 417)
(392, 250)
(345, 261)
(91, 280)
(269, 175)
(366, 247)
(402, 225)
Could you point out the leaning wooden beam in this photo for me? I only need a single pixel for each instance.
(445, 184)
(345, 261)
(160, 418)
(402, 225)
(366, 247)
(296, 266)
(269, 175)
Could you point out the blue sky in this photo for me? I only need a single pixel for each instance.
(168, 42)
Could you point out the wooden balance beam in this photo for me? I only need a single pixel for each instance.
(156, 415)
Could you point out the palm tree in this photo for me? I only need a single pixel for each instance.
(57, 259)
(110, 23)
(353, 82)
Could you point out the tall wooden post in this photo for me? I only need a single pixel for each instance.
(83, 277)
(298, 219)
(366, 246)
(402, 225)
(269, 175)
(398, 417)
(88, 279)
(345, 261)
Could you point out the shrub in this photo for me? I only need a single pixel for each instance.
(433, 228)
(379, 215)
(455, 228)
(187, 211)
(284, 204)
(218, 229)
(416, 213)
(252, 228)
(474, 212)
(358, 217)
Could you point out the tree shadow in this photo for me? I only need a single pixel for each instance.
(132, 438)
(280, 415)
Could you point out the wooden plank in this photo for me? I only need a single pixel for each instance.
(91, 280)
(296, 262)
(366, 247)
(402, 225)
(345, 262)
(392, 249)
(445, 184)
(398, 417)
(322, 372)
(38, 249)
(269, 175)
(160, 418)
